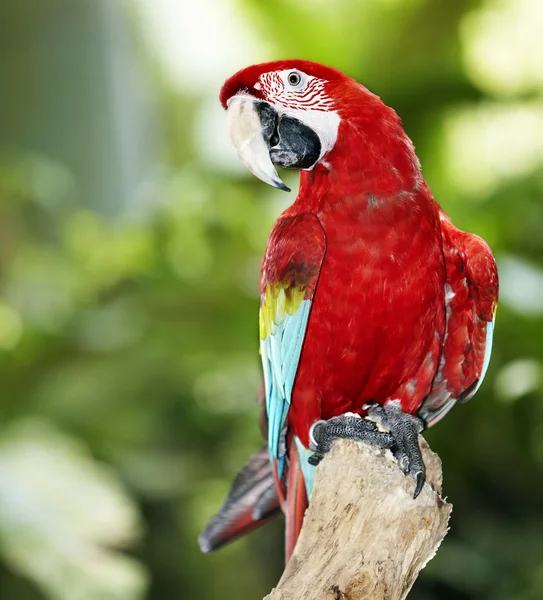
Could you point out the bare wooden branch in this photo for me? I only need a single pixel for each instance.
(364, 537)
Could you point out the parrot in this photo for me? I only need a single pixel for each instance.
(376, 313)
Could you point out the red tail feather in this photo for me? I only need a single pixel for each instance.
(251, 502)
(296, 501)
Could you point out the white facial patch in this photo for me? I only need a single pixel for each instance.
(306, 101)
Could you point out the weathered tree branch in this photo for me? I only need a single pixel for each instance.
(364, 537)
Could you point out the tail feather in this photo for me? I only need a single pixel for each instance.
(266, 504)
(251, 502)
(296, 501)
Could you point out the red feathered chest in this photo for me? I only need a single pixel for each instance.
(376, 322)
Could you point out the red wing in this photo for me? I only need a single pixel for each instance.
(290, 272)
(471, 296)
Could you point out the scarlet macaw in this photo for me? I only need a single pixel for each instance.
(372, 301)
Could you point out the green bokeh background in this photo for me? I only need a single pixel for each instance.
(130, 243)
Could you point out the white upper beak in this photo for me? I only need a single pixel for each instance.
(245, 132)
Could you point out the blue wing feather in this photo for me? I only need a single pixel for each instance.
(280, 352)
(488, 352)
(293, 342)
(290, 271)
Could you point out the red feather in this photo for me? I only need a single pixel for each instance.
(381, 326)
(296, 501)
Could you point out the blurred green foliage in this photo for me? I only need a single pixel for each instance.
(129, 257)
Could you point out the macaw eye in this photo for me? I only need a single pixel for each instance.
(294, 78)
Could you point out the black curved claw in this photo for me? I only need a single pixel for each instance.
(420, 484)
(315, 458)
(349, 427)
(405, 429)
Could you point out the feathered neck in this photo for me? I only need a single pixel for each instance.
(372, 154)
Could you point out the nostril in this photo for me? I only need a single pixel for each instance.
(274, 140)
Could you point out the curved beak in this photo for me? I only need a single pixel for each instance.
(252, 125)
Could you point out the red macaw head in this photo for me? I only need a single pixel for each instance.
(296, 114)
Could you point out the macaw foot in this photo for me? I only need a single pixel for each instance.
(402, 440)
(348, 426)
(405, 429)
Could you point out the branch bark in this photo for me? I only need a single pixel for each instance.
(364, 537)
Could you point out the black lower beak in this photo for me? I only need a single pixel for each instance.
(292, 144)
